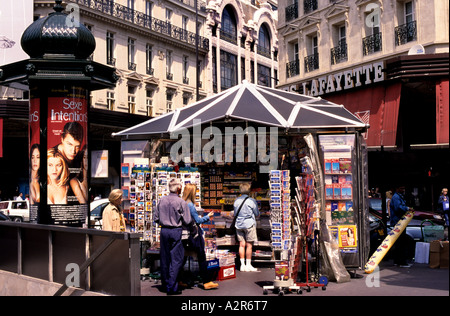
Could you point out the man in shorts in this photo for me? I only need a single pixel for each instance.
(246, 226)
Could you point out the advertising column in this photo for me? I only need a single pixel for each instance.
(58, 157)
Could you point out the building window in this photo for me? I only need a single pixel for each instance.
(169, 74)
(242, 68)
(214, 68)
(131, 54)
(110, 100)
(184, 27)
(228, 29)
(339, 51)
(169, 100)
(131, 99)
(309, 6)
(264, 47)
(312, 60)
(110, 60)
(228, 70)
(149, 59)
(291, 11)
(264, 76)
(185, 69)
(148, 8)
(293, 66)
(149, 101)
(186, 97)
(406, 32)
(372, 42)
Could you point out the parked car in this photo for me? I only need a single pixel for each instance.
(375, 208)
(17, 211)
(3, 217)
(413, 233)
(96, 213)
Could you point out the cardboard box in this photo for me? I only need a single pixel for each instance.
(435, 250)
(443, 262)
(439, 254)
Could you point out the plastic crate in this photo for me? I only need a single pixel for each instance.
(227, 272)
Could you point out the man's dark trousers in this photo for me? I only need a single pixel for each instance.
(172, 255)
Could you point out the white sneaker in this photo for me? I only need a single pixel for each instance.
(243, 268)
(251, 268)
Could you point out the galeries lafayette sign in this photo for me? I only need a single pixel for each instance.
(343, 80)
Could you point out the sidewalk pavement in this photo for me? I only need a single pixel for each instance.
(418, 280)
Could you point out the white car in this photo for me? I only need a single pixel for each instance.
(17, 211)
(95, 215)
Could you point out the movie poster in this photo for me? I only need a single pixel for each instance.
(67, 161)
(35, 158)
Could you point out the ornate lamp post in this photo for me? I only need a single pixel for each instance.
(60, 76)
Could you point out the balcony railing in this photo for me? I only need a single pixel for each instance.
(309, 6)
(291, 12)
(150, 71)
(311, 62)
(405, 33)
(339, 54)
(372, 44)
(143, 20)
(185, 80)
(229, 37)
(292, 68)
(169, 76)
(263, 51)
(111, 61)
(132, 66)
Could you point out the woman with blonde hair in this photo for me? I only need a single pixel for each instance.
(198, 242)
(57, 178)
(112, 217)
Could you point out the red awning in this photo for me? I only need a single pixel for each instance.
(378, 106)
(442, 112)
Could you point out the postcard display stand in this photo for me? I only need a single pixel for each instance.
(340, 189)
(281, 238)
(144, 188)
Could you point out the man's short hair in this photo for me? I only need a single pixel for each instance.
(244, 188)
(174, 185)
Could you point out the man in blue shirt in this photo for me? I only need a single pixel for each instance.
(398, 208)
(172, 213)
(246, 226)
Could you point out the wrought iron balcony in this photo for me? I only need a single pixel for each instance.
(150, 71)
(263, 51)
(291, 12)
(143, 20)
(309, 6)
(111, 61)
(339, 54)
(131, 66)
(229, 37)
(311, 62)
(169, 76)
(372, 44)
(292, 68)
(406, 33)
(185, 80)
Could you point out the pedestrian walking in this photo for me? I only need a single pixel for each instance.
(443, 204)
(112, 217)
(172, 213)
(246, 211)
